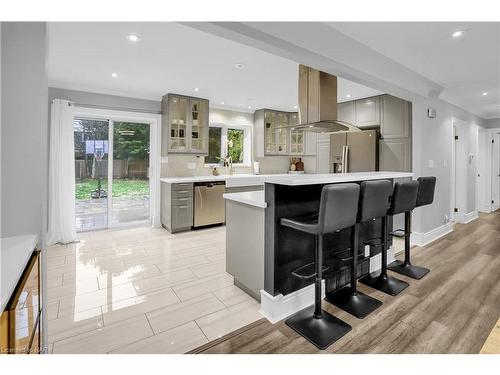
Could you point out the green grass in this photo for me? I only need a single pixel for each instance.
(121, 187)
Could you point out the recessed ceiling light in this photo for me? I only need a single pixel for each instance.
(249, 107)
(222, 103)
(311, 126)
(484, 93)
(114, 75)
(133, 38)
(239, 66)
(348, 96)
(196, 89)
(294, 107)
(458, 33)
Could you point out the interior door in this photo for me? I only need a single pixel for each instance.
(362, 151)
(495, 175)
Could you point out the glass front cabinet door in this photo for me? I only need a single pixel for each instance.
(275, 132)
(297, 137)
(270, 132)
(199, 126)
(185, 122)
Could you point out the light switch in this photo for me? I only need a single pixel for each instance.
(191, 165)
(431, 163)
(444, 163)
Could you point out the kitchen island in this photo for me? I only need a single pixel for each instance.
(261, 253)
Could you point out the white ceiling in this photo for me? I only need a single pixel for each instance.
(174, 58)
(466, 67)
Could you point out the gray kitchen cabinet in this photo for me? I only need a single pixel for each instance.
(368, 112)
(177, 206)
(323, 153)
(272, 138)
(347, 112)
(395, 154)
(310, 143)
(395, 117)
(184, 125)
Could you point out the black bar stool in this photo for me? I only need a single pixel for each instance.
(383, 282)
(337, 210)
(424, 196)
(373, 201)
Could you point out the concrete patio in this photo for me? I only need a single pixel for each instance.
(93, 213)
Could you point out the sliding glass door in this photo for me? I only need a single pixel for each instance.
(111, 173)
(91, 173)
(130, 199)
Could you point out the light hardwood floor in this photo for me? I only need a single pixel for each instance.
(142, 290)
(492, 344)
(451, 310)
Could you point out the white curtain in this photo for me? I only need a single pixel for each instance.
(62, 226)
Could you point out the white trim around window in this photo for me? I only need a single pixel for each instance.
(247, 143)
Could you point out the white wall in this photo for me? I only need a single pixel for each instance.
(24, 139)
(24, 128)
(432, 140)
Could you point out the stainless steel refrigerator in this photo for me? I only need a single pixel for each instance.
(354, 152)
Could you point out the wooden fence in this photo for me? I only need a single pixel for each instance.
(133, 169)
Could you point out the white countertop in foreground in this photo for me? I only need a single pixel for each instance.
(15, 253)
(258, 199)
(288, 179)
(252, 198)
(333, 178)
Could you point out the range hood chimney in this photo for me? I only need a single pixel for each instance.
(318, 103)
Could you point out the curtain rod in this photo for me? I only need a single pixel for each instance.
(114, 108)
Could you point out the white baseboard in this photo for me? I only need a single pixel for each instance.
(471, 216)
(279, 307)
(422, 239)
(276, 308)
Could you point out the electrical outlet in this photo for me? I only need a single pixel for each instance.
(446, 219)
(367, 250)
(191, 165)
(431, 163)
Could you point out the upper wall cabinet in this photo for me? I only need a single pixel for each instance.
(347, 112)
(271, 138)
(368, 112)
(395, 117)
(184, 125)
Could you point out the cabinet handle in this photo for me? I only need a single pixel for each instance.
(182, 199)
(183, 207)
(183, 191)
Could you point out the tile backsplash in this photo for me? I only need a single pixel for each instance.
(178, 166)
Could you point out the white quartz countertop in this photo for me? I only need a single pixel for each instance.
(231, 180)
(327, 178)
(258, 199)
(252, 198)
(15, 253)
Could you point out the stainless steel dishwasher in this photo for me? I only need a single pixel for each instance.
(209, 205)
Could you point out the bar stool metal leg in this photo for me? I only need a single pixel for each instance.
(405, 267)
(349, 298)
(383, 282)
(316, 325)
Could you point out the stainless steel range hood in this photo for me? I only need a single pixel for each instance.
(318, 103)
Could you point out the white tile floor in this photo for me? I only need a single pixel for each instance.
(142, 290)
